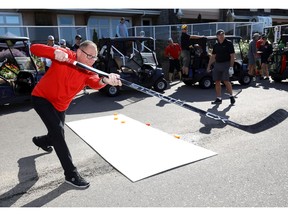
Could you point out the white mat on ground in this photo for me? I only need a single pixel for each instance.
(135, 149)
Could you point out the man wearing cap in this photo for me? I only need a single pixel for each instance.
(62, 44)
(223, 55)
(50, 42)
(78, 39)
(121, 29)
(173, 51)
(252, 55)
(185, 47)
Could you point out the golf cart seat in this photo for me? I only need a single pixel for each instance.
(128, 65)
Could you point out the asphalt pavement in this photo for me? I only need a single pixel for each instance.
(250, 170)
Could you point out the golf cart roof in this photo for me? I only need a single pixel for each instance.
(130, 38)
(229, 37)
(11, 40)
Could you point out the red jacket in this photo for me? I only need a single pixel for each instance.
(62, 81)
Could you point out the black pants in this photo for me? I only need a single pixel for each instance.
(54, 122)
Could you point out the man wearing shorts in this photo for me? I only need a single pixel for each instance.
(258, 56)
(252, 55)
(185, 47)
(223, 55)
(173, 51)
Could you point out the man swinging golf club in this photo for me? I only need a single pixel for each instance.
(55, 91)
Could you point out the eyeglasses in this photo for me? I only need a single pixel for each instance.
(90, 56)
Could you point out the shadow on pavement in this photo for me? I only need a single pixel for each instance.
(210, 123)
(268, 84)
(41, 201)
(13, 108)
(194, 93)
(27, 176)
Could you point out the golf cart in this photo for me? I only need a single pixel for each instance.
(278, 65)
(133, 59)
(18, 72)
(202, 49)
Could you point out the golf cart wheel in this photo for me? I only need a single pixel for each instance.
(160, 85)
(245, 80)
(206, 82)
(112, 91)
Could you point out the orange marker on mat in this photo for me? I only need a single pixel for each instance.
(115, 116)
(177, 136)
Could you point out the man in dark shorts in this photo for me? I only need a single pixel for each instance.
(185, 48)
(173, 52)
(266, 50)
(223, 55)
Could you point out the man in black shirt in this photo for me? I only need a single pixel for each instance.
(78, 39)
(185, 48)
(223, 55)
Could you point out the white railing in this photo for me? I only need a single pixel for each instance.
(160, 33)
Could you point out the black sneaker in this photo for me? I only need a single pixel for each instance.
(232, 100)
(217, 101)
(77, 181)
(48, 149)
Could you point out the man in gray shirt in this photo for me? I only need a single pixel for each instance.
(121, 29)
(252, 54)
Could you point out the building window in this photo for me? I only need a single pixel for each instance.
(267, 10)
(8, 21)
(105, 26)
(12, 19)
(66, 20)
(66, 32)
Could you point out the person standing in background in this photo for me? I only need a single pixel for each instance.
(266, 50)
(185, 49)
(121, 29)
(173, 52)
(78, 39)
(223, 55)
(50, 42)
(252, 55)
(62, 44)
(258, 57)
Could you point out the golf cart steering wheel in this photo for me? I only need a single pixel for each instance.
(131, 57)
